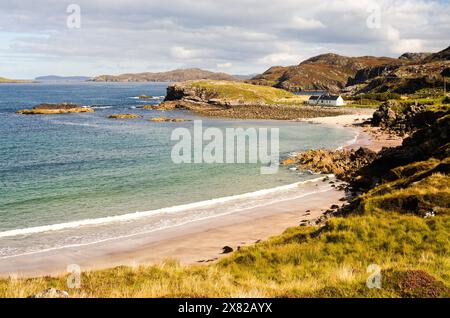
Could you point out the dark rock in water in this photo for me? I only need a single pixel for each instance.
(51, 293)
(50, 109)
(227, 249)
(57, 106)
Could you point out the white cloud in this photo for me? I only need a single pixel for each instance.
(280, 58)
(180, 52)
(307, 24)
(224, 65)
(407, 45)
(142, 35)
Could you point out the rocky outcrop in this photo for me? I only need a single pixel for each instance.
(170, 76)
(431, 141)
(342, 163)
(403, 119)
(50, 109)
(124, 116)
(191, 93)
(414, 57)
(370, 73)
(443, 55)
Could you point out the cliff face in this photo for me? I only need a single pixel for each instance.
(324, 72)
(411, 72)
(171, 76)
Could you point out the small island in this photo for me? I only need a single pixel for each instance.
(124, 116)
(145, 97)
(51, 109)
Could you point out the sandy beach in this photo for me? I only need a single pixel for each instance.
(200, 242)
(369, 137)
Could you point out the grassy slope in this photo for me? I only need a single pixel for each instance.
(226, 90)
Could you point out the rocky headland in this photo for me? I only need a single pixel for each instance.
(241, 100)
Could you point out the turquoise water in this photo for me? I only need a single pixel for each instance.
(61, 175)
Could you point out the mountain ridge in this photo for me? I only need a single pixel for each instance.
(337, 73)
(177, 75)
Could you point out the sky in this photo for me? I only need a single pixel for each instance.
(94, 37)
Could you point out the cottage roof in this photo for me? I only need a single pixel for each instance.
(329, 97)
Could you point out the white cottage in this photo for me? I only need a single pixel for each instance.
(326, 100)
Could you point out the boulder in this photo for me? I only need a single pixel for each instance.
(227, 249)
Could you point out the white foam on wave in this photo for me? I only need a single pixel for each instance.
(121, 237)
(350, 142)
(139, 215)
(101, 107)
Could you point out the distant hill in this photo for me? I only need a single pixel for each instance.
(178, 75)
(335, 73)
(55, 78)
(323, 72)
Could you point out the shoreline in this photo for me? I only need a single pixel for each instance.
(368, 137)
(198, 242)
(201, 241)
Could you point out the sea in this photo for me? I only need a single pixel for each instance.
(79, 179)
